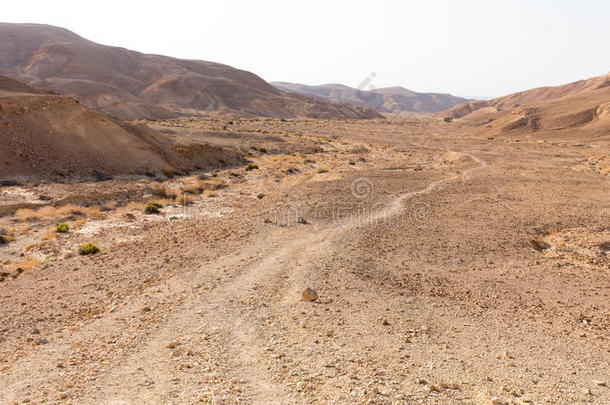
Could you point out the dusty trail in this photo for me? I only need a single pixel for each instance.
(202, 321)
(277, 273)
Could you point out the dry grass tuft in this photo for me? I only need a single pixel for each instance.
(24, 265)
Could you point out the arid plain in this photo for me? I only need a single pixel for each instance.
(451, 266)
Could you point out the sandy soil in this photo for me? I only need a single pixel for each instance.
(450, 268)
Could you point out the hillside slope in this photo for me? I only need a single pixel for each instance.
(131, 85)
(53, 136)
(584, 104)
(388, 100)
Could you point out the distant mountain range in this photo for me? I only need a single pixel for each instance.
(385, 100)
(130, 85)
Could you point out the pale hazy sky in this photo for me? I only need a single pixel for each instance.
(465, 47)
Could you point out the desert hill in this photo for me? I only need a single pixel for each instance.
(130, 85)
(584, 104)
(390, 99)
(53, 136)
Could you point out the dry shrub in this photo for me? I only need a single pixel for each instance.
(94, 212)
(110, 205)
(209, 193)
(70, 210)
(160, 191)
(26, 214)
(47, 212)
(79, 223)
(26, 264)
(49, 234)
(212, 184)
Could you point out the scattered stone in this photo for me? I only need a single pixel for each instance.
(385, 322)
(601, 383)
(539, 245)
(309, 295)
(173, 344)
(302, 221)
(497, 401)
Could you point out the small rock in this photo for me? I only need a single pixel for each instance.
(218, 400)
(385, 322)
(497, 401)
(599, 382)
(309, 295)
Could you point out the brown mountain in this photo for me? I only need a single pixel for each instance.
(385, 100)
(53, 136)
(131, 85)
(584, 104)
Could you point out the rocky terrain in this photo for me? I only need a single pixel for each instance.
(447, 266)
(130, 85)
(385, 100)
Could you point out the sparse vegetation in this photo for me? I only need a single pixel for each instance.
(152, 207)
(448, 119)
(61, 227)
(251, 166)
(88, 248)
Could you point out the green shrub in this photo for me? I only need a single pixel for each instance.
(448, 119)
(251, 166)
(88, 248)
(61, 227)
(152, 207)
(262, 150)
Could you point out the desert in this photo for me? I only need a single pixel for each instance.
(178, 231)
